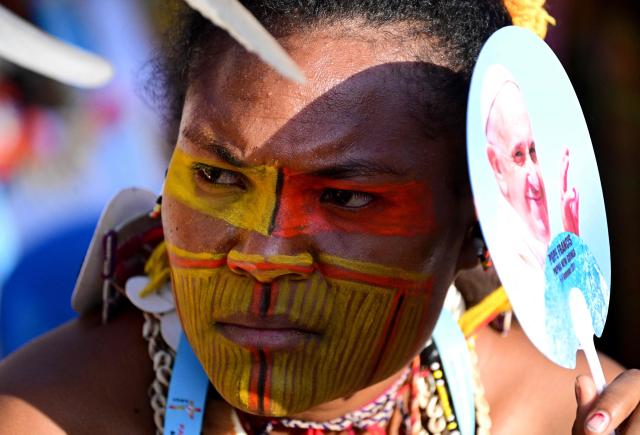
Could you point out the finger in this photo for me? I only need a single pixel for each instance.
(565, 169)
(575, 212)
(617, 402)
(631, 425)
(586, 395)
(586, 392)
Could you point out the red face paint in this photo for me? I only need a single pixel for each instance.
(400, 209)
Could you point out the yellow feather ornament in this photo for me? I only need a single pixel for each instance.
(531, 15)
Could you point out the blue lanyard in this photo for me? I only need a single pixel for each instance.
(189, 382)
(456, 362)
(187, 393)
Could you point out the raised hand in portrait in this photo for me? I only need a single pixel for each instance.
(618, 407)
(569, 199)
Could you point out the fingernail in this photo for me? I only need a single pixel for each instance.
(598, 422)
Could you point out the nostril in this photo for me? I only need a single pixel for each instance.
(236, 268)
(266, 270)
(298, 276)
(268, 275)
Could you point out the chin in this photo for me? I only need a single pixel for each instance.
(240, 401)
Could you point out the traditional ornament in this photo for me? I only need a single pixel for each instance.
(493, 305)
(35, 50)
(232, 16)
(421, 398)
(531, 15)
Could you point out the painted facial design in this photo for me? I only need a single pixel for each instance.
(199, 184)
(339, 326)
(281, 334)
(286, 204)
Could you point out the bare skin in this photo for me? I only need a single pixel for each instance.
(80, 378)
(88, 378)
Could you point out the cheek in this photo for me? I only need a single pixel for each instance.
(172, 217)
(370, 324)
(193, 230)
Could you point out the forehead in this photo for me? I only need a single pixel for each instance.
(361, 96)
(509, 122)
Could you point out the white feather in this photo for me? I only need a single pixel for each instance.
(31, 48)
(247, 30)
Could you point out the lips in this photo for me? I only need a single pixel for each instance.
(264, 332)
(536, 197)
(533, 194)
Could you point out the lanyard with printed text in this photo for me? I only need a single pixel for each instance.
(187, 393)
(456, 362)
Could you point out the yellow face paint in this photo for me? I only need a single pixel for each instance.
(361, 321)
(368, 319)
(270, 268)
(250, 209)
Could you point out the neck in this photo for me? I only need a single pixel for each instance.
(339, 407)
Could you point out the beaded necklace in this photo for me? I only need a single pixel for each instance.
(372, 417)
(419, 403)
(420, 398)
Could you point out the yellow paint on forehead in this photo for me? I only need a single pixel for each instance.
(250, 209)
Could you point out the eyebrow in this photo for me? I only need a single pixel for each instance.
(352, 168)
(212, 145)
(356, 168)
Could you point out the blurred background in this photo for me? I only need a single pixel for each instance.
(65, 152)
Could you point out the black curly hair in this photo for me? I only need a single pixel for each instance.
(455, 29)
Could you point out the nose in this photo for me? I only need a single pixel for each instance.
(533, 178)
(267, 258)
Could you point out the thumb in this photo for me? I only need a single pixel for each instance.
(586, 395)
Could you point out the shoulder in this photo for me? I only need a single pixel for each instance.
(526, 391)
(77, 375)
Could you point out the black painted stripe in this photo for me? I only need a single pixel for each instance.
(279, 181)
(265, 299)
(262, 378)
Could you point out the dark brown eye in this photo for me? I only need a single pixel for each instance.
(533, 155)
(218, 176)
(519, 156)
(346, 198)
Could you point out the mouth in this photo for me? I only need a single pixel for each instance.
(534, 191)
(264, 332)
(534, 194)
(537, 198)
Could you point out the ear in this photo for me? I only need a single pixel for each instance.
(467, 221)
(498, 168)
(468, 257)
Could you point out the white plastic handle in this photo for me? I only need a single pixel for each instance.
(581, 318)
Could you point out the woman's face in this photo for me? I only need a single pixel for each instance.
(312, 229)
